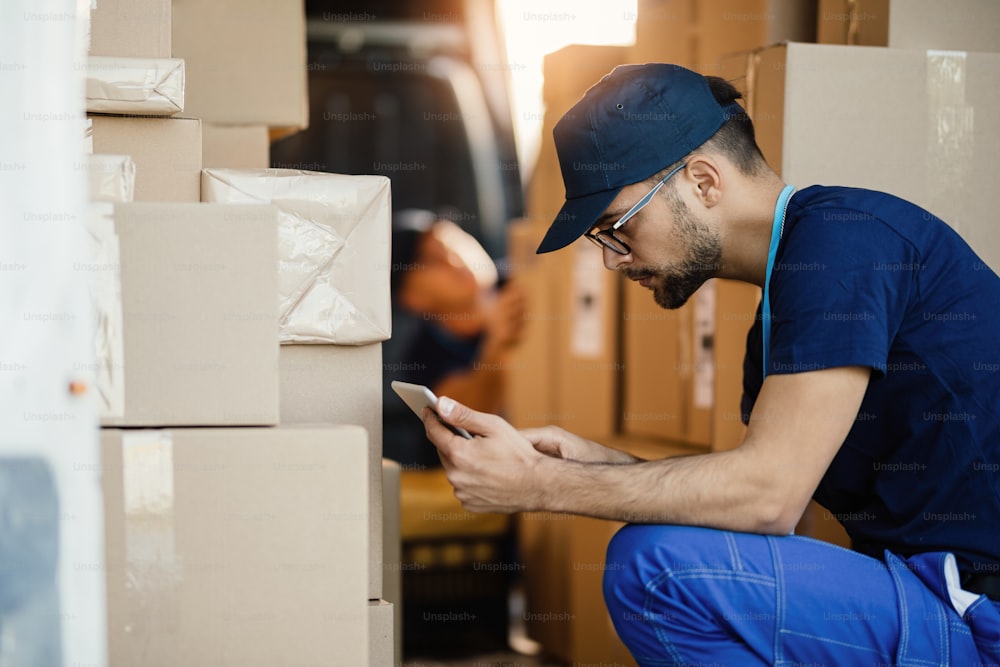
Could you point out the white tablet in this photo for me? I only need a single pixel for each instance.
(417, 396)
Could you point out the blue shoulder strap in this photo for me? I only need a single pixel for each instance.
(777, 227)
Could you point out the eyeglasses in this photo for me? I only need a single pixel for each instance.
(606, 238)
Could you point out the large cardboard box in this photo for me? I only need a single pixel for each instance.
(965, 25)
(333, 245)
(904, 121)
(246, 60)
(236, 547)
(198, 286)
(341, 384)
(130, 28)
(166, 152)
(235, 146)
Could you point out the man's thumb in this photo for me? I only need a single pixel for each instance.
(447, 408)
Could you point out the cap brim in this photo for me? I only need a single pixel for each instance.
(575, 217)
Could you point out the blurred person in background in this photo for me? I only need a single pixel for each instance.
(454, 321)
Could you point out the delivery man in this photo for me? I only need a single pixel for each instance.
(871, 384)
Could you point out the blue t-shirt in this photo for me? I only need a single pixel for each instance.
(864, 278)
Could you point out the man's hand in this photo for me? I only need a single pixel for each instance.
(561, 444)
(495, 471)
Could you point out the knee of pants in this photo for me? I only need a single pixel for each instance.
(634, 554)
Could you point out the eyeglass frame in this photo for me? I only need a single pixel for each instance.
(605, 238)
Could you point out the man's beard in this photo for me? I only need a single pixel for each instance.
(674, 285)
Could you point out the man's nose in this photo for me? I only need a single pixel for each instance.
(612, 259)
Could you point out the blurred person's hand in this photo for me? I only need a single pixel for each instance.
(504, 320)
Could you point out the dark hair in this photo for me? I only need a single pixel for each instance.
(735, 139)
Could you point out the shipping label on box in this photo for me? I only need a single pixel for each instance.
(139, 86)
(200, 323)
(333, 249)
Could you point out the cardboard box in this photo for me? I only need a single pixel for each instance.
(236, 547)
(246, 61)
(962, 25)
(564, 602)
(655, 398)
(589, 370)
(111, 178)
(341, 384)
(235, 146)
(392, 569)
(166, 152)
(529, 391)
(130, 28)
(333, 249)
(833, 115)
(200, 325)
(701, 33)
(382, 633)
(104, 290)
(139, 86)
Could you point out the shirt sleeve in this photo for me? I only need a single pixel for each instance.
(839, 292)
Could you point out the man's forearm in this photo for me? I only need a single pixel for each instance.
(717, 490)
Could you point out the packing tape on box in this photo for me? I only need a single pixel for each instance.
(103, 272)
(143, 86)
(152, 566)
(950, 127)
(87, 135)
(112, 178)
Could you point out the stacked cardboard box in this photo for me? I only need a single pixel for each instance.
(964, 25)
(334, 313)
(259, 542)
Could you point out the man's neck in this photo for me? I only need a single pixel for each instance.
(747, 236)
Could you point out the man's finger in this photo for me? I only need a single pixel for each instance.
(456, 414)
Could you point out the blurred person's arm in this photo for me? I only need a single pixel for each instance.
(481, 386)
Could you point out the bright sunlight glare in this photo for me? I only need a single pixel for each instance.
(533, 28)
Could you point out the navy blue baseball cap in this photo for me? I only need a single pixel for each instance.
(628, 126)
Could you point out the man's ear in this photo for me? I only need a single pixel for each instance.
(704, 170)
